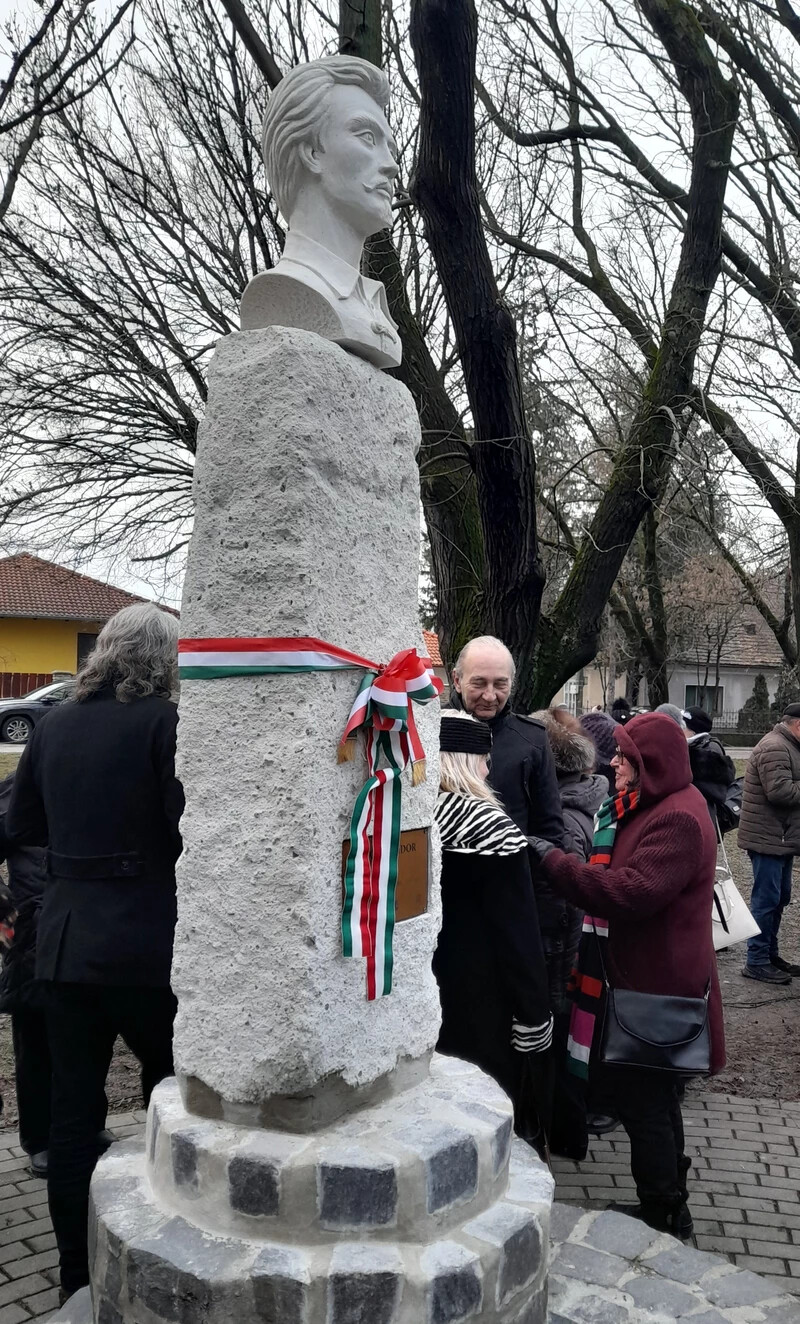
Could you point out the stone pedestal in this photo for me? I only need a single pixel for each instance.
(306, 523)
(310, 1165)
(416, 1211)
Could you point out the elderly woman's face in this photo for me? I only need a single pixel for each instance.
(625, 772)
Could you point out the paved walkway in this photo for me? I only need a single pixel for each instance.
(744, 1195)
(743, 1185)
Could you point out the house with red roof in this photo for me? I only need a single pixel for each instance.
(49, 619)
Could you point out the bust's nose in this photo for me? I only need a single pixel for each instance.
(390, 168)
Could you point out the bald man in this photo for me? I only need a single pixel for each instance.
(524, 775)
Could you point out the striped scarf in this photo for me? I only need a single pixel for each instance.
(586, 981)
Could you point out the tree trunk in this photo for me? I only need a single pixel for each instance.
(656, 659)
(568, 638)
(445, 187)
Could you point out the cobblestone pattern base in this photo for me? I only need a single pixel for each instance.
(416, 1211)
(609, 1269)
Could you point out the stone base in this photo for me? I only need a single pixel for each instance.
(419, 1210)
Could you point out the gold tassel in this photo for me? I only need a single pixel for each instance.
(346, 752)
(419, 772)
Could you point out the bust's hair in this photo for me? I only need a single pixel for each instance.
(136, 655)
(295, 112)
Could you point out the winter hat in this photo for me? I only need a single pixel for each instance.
(621, 710)
(599, 727)
(792, 711)
(673, 711)
(457, 736)
(573, 751)
(699, 721)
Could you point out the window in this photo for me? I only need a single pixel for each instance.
(86, 643)
(704, 696)
(749, 628)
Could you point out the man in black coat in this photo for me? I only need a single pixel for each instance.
(713, 771)
(97, 785)
(523, 773)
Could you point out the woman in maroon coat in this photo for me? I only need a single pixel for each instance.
(656, 892)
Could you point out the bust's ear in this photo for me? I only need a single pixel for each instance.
(309, 155)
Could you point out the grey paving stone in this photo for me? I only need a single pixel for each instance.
(595, 1310)
(620, 1235)
(589, 1266)
(660, 1295)
(738, 1289)
(563, 1219)
(684, 1264)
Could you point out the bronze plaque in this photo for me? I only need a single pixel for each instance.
(411, 897)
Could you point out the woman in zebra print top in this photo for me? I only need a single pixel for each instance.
(489, 961)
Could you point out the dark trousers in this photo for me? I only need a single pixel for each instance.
(648, 1103)
(32, 1073)
(772, 892)
(83, 1021)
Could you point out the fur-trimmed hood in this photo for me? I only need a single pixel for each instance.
(572, 752)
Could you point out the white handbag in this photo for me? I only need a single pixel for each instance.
(731, 921)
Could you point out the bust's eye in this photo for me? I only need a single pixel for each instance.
(368, 137)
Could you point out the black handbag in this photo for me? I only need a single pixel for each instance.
(655, 1030)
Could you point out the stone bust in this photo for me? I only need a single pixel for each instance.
(331, 161)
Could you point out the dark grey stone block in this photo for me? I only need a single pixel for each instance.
(155, 1127)
(741, 1288)
(598, 1310)
(455, 1295)
(589, 1266)
(354, 1196)
(108, 1314)
(564, 1218)
(535, 1312)
(280, 1288)
(184, 1159)
(358, 1297)
(620, 1235)
(660, 1295)
(521, 1259)
(253, 1186)
(683, 1263)
(173, 1272)
(451, 1161)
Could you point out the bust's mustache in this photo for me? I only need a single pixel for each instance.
(383, 186)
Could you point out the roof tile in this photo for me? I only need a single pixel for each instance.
(35, 588)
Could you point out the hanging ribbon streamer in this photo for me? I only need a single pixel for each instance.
(383, 709)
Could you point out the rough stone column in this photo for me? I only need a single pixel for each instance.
(306, 523)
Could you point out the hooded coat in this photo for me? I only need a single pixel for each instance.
(657, 892)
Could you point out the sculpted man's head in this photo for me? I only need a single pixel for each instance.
(327, 143)
(484, 676)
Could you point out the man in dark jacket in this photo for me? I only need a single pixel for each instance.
(97, 785)
(21, 995)
(523, 773)
(713, 771)
(769, 830)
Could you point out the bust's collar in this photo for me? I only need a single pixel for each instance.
(339, 274)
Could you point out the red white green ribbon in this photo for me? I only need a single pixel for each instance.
(383, 708)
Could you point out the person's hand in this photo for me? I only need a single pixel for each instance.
(531, 1038)
(540, 847)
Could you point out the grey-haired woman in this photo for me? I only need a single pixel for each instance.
(96, 785)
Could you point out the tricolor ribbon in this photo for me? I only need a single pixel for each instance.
(383, 708)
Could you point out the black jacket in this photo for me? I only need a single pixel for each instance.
(581, 797)
(524, 775)
(488, 961)
(26, 880)
(713, 772)
(97, 784)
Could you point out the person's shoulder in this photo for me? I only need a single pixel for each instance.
(530, 728)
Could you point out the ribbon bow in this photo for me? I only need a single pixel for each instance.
(384, 708)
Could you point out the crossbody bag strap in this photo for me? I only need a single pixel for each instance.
(722, 844)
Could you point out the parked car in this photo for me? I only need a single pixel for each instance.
(18, 717)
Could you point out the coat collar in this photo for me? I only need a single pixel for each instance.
(337, 273)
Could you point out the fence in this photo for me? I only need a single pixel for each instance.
(13, 684)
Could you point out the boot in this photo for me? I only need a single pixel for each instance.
(677, 1221)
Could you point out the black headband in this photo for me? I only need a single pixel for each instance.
(458, 736)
